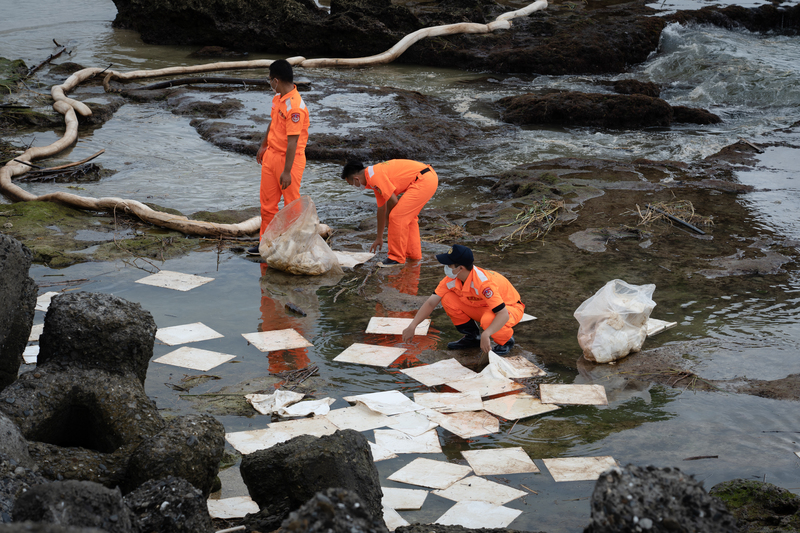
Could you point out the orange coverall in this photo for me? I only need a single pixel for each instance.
(483, 294)
(417, 182)
(289, 116)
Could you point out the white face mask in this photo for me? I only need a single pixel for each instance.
(449, 272)
(273, 87)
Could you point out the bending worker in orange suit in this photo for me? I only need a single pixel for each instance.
(470, 294)
(416, 182)
(282, 155)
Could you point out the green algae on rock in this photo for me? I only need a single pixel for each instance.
(758, 506)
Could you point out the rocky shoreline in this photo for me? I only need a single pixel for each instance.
(80, 428)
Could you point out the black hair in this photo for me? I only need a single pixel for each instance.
(352, 167)
(282, 70)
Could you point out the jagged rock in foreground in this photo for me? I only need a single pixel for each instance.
(101, 331)
(636, 498)
(283, 478)
(84, 410)
(39, 527)
(759, 506)
(190, 447)
(14, 480)
(17, 303)
(599, 110)
(438, 528)
(333, 511)
(169, 505)
(75, 503)
(12, 443)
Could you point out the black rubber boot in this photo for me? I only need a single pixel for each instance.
(471, 338)
(503, 349)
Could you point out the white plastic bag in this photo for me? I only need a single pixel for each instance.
(292, 243)
(612, 322)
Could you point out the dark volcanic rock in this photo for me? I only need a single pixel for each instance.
(693, 115)
(393, 124)
(17, 303)
(647, 88)
(190, 447)
(39, 527)
(169, 505)
(90, 417)
(759, 506)
(598, 110)
(655, 499)
(581, 109)
(270, 25)
(102, 331)
(14, 480)
(75, 503)
(282, 478)
(333, 511)
(779, 19)
(425, 528)
(12, 443)
(564, 38)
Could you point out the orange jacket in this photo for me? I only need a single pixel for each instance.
(483, 288)
(392, 177)
(289, 117)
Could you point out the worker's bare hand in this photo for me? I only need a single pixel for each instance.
(260, 155)
(376, 246)
(408, 333)
(286, 179)
(486, 342)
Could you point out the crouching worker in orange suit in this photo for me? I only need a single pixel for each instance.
(469, 294)
(416, 182)
(282, 154)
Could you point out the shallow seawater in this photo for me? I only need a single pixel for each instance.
(751, 437)
(748, 327)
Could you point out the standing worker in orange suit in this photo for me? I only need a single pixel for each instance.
(468, 294)
(282, 155)
(416, 182)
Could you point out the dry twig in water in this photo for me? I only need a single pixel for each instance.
(535, 221)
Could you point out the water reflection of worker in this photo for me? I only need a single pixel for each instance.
(406, 281)
(282, 153)
(416, 182)
(274, 317)
(470, 294)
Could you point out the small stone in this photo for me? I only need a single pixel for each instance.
(191, 441)
(10, 400)
(645, 523)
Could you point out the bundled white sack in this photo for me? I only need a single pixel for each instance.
(292, 242)
(612, 322)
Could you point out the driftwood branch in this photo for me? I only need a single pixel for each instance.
(676, 219)
(46, 61)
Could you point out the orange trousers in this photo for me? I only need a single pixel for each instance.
(271, 168)
(404, 240)
(460, 313)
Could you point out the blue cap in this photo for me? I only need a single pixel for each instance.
(458, 255)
